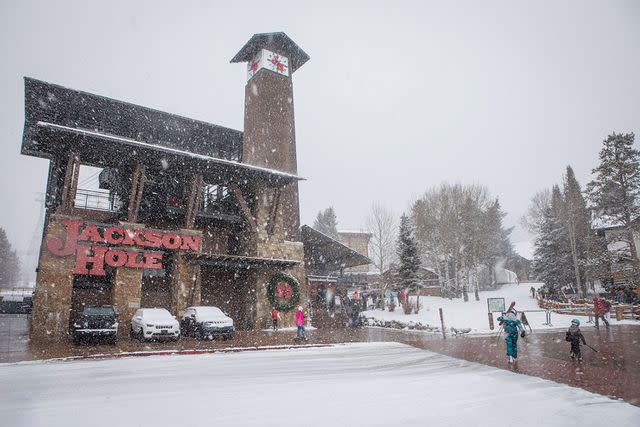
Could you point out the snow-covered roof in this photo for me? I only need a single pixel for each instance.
(161, 147)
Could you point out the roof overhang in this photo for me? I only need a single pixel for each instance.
(238, 261)
(325, 253)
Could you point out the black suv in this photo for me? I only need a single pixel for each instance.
(96, 321)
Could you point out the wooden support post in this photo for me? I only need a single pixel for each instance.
(70, 185)
(135, 196)
(273, 213)
(244, 207)
(193, 201)
(444, 333)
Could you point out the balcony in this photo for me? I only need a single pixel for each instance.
(97, 200)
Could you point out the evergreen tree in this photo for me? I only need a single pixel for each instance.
(614, 191)
(552, 262)
(577, 221)
(327, 223)
(9, 262)
(409, 260)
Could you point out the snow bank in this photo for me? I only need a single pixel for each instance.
(359, 384)
(473, 314)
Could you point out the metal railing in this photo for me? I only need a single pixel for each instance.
(97, 200)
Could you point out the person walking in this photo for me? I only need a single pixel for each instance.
(300, 325)
(574, 336)
(511, 326)
(600, 308)
(274, 318)
(533, 292)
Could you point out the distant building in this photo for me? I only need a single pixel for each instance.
(359, 242)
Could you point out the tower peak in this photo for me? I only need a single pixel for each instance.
(277, 42)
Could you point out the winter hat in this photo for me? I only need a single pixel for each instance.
(575, 322)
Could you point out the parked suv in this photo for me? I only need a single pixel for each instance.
(154, 323)
(207, 322)
(96, 321)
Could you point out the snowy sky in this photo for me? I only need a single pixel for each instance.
(395, 99)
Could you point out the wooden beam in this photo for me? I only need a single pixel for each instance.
(70, 184)
(135, 195)
(244, 207)
(273, 213)
(193, 201)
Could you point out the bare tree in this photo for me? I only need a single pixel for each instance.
(534, 217)
(382, 225)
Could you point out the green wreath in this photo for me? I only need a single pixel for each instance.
(279, 304)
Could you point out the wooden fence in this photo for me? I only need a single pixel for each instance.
(618, 311)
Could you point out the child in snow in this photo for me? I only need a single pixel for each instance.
(300, 324)
(511, 326)
(574, 336)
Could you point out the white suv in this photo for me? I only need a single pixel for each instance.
(154, 323)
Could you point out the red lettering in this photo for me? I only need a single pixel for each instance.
(171, 241)
(93, 255)
(152, 239)
(90, 234)
(132, 237)
(191, 243)
(115, 258)
(113, 235)
(152, 260)
(56, 245)
(132, 260)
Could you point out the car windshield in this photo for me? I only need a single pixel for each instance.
(98, 311)
(209, 312)
(156, 313)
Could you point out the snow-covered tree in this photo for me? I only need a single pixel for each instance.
(9, 262)
(409, 259)
(552, 262)
(326, 222)
(382, 226)
(615, 189)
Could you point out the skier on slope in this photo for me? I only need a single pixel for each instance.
(511, 326)
(574, 336)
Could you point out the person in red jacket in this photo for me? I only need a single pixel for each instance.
(402, 297)
(274, 318)
(599, 310)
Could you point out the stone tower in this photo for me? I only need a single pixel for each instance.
(269, 131)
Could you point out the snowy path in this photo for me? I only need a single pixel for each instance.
(355, 384)
(473, 314)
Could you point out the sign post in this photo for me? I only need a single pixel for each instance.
(494, 305)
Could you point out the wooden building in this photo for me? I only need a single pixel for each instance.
(187, 213)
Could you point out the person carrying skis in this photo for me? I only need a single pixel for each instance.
(511, 326)
(574, 336)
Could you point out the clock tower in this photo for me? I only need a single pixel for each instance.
(269, 129)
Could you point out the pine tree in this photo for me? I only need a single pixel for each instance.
(9, 262)
(552, 263)
(614, 191)
(327, 223)
(577, 221)
(409, 260)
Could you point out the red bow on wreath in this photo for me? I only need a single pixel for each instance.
(283, 291)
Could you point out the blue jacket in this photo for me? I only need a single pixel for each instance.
(511, 324)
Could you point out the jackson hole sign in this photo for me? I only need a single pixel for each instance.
(99, 250)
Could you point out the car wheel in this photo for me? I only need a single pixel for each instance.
(76, 340)
(199, 334)
(141, 335)
(132, 334)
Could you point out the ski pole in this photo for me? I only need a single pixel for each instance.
(591, 347)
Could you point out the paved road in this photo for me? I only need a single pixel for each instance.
(613, 371)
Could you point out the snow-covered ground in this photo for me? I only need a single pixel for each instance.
(355, 384)
(473, 314)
